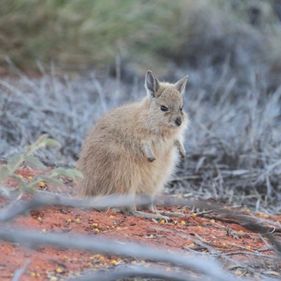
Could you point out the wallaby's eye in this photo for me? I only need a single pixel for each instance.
(164, 108)
(181, 108)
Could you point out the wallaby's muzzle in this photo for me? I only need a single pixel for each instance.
(178, 121)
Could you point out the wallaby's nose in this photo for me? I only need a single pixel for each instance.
(178, 121)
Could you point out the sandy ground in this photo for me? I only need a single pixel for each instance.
(192, 232)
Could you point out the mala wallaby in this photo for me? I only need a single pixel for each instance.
(134, 148)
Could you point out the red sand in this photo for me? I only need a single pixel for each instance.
(181, 233)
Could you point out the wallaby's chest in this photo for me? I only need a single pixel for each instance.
(162, 147)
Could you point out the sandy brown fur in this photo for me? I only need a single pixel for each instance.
(131, 149)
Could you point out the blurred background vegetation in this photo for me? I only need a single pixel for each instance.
(77, 35)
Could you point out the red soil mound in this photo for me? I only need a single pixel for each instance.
(191, 233)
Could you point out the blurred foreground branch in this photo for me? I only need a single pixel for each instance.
(126, 271)
(196, 263)
(41, 198)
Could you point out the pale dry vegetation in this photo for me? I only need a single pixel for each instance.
(231, 52)
(233, 144)
(229, 49)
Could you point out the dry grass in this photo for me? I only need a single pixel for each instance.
(233, 144)
(233, 98)
(230, 49)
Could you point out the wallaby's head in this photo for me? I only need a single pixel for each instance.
(165, 101)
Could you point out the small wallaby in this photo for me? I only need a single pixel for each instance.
(133, 149)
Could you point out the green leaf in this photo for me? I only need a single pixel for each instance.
(49, 179)
(14, 162)
(42, 142)
(52, 143)
(27, 187)
(19, 179)
(34, 183)
(34, 162)
(4, 173)
(52, 180)
(70, 173)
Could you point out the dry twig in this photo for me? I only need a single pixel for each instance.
(196, 263)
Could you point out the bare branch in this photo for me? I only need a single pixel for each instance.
(7, 193)
(197, 263)
(19, 272)
(42, 198)
(127, 271)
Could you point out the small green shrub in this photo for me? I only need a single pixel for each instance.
(27, 158)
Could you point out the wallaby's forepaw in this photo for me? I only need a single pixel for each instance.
(148, 152)
(181, 149)
(182, 155)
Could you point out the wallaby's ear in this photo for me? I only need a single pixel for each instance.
(180, 85)
(151, 83)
